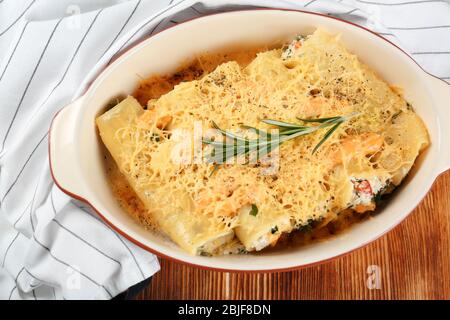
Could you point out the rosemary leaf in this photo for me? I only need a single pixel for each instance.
(227, 133)
(320, 120)
(281, 124)
(216, 166)
(254, 210)
(266, 142)
(326, 136)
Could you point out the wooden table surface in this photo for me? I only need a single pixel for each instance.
(413, 263)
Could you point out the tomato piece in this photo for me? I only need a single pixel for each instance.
(363, 186)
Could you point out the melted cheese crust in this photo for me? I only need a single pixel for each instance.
(320, 78)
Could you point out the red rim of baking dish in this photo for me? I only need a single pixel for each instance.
(161, 255)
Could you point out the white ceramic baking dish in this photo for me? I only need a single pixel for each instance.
(76, 152)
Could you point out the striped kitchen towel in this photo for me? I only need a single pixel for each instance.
(54, 247)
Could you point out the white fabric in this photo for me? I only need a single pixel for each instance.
(53, 247)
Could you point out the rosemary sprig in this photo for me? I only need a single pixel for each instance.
(232, 145)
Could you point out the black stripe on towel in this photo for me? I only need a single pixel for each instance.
(146, 24)
(18, 18)
(117, 236)
(9, 247)
(15, 281)
(23, 167)
(123, 26)
(85, 242)
(23, 213)
(29, 82)
(14, 50)
(69, 65)
(69, 266)
(311, 2)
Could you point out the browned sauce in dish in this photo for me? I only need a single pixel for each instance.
(158, 85)
(126, 196)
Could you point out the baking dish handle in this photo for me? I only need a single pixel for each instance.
(65, 170)
(442, 93)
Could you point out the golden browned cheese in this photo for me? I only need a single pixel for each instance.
(322, 79)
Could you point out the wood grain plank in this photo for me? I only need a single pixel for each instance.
(413, 260)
